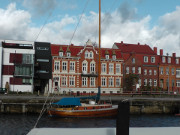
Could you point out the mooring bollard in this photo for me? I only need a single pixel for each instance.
(122, 122)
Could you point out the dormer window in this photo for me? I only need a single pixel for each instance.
(107, 57)
(169, 59)
(60, 54)
(68, 54)
(86, 54)
(91, 54)
(133, 60)
(114, 57)
(177, 61)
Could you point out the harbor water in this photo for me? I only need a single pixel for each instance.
(18, 124)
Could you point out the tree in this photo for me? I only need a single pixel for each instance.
(129, 81)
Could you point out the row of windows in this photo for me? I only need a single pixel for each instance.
(85, 67)
(146, 81)
(167, 83)
(92, 81)
(153, 60)
(139, 71)
(169, 60)
(167, 72)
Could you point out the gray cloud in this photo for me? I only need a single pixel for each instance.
(126, 12)
(40, 7)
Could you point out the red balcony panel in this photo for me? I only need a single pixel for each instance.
(8, 69)
(15, 58)
(16, 81)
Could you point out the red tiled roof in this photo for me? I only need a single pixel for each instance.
(136, 48)
(117, 52)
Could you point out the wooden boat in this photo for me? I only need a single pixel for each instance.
(71, 107)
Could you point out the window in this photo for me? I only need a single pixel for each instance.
(145, 82)
(92, 67)
(27, 81)
(177, 61)
(139, 70)
(139, 82)
(103, 81)
(173, 83)
(111, 68)
(64, 66)
(42, 60)
(68, 54)
(103, 68)
(43, 48)
(150, 72)
(91, 54)
(118, 68)
(72, 66)
(178, 72)
(152, 59)
(127, 70)
(145, 59)
(133, 70)
(178, 83)
(84, 67)
(118, 82)
(150, 82)
(56, 65)
(169, 59)
(167, 71)
(92, 81)
(84, 81)
(133, 60)
(114, 57)
(86, 54)
(172, 71)
(23, 70)
(167, 82)
(111, 82)
(161, 70)
(64, 81)
(60, 54)
(71, 81)
(27, 58)
(155, 72)
(145, 71)
(163, 59)
(107, 57)
(155, 82)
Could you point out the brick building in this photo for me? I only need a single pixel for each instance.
(169, 72)
(75, 69)
(140, 60)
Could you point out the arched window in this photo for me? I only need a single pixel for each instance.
(91, 54)
(86, 54)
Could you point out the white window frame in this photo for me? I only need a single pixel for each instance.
(64, 66)
(146, 59)
(114, 57)
(118, 68)
(150, 82)
(163, 59)
(118, 82)
(169, 59)
(72, 66)
(107, 56)
(56, 65)
(161, 70)
(68, 54)
(84, 81)
(111, 68)
(127, 70)
(145, 82)
(139, 82)
(60, 54)
(63, 81)
(177, 60)
(71, 81)
(145, 71)
(139, 70)
(86, 54)
(111, 82)
(92, 67)
(153, 60)
(103, 67)
(155, 72)
(155, 82)
(84, 67)
(92, 81)
(103, 82)
(150, 72)
(177, 83)
(133, 60)
(167, 70)
(91, 54)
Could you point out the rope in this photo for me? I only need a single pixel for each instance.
(78, 22)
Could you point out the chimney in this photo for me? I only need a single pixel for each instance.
(121, 42)
(155, 50)
(161, 52)
(174, 55)
(138, 43)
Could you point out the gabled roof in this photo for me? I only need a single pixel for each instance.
(135, 48)
(111, 52)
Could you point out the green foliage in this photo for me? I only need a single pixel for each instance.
(129, 81)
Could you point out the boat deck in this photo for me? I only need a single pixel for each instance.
(105, 131)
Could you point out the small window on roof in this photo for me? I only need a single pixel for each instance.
(60, 54)
(107, 56)
(68, 54)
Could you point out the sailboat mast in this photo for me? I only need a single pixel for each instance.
(99, 65)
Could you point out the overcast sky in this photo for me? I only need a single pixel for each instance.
(152, 22)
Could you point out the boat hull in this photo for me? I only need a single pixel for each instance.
(106, 112)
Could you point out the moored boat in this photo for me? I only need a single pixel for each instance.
(72, 107)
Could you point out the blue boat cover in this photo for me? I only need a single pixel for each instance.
(69, 101)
